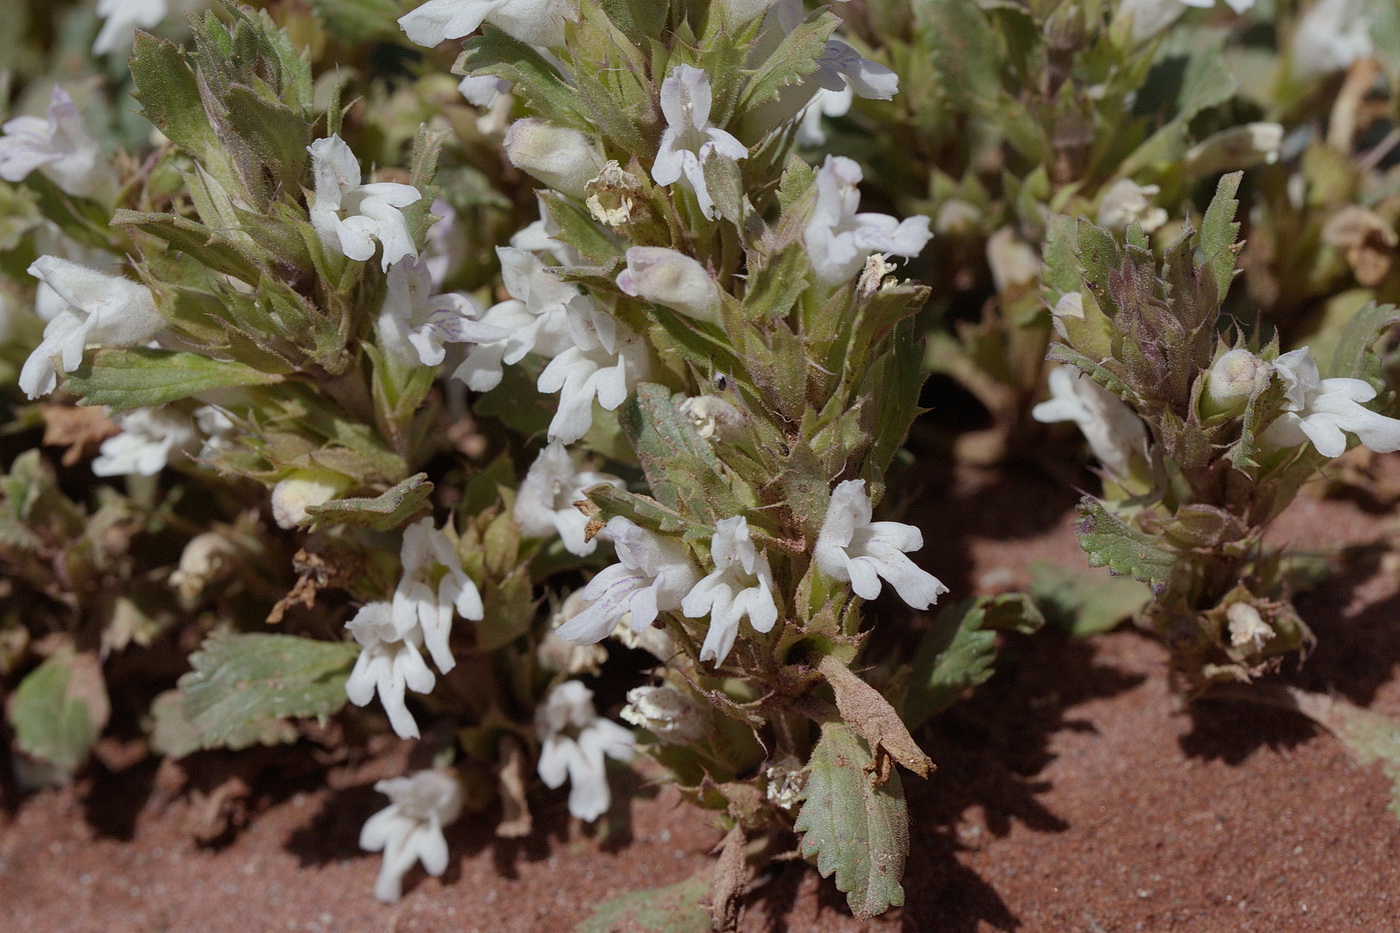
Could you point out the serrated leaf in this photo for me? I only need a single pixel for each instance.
(1085, 602)
(639, 510)
(493, 52)
(1112, 543)
(141, 377)
(794, 58)
(1355, 356)
(873, 718)
(681, 467)
(955, 655)
(676, 908)
(171, 732)
(60, 708)
(1219, 231)
(850, 827)
(197, 241)
(169, 96)
(383, 512)
(242, 684)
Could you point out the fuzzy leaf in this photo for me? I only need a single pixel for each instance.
(1355, 356)
(1111, 543)
(242, 682)
(1085, 602)
(684, 473)
(141, 377)
(492, 52)
(851, 827)
(60, 709)
(639, 510)
(953, 656)
(384, 512)
(1219, 232)
(795, 58)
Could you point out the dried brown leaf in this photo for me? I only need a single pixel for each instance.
(874, 720)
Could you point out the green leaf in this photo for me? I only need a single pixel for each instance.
(171, 732)
(684, 473)
(795, 58)
(242, 682)
(676, 908)
(639, 510)
(383, 512)
(1220, 231)
(140, 377)
(1112, 543)
(1355, 356)
(169, 96)
(955, 655)
(509, 609)
(360, 21)
(210, 248)
(1085, 602)
(851, 828)
(492, 52)
(60, 709)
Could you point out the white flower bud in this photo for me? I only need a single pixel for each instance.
(671, 279)
(562, 158)
(1013, 261)
(1239, 147)
(1232, 379)
(204, 560)
(957, 216)
(667, 713)
(300, 491)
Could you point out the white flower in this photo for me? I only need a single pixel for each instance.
(299, 490)
(841, 67)
(218, 430)
(433, 586)
(414, 324)
(1149, 17)
(668, 714)
(653, 575)
(605, 362)
(389, 663)
(349, 215)
(545, 503)
(852, 547)
(1126, 201)
(102, 311)
(121, 20)
(689, 140)
(1247, 626)
(563, 158)
(410, 829)
(535, 319)
(574, 740)
(810, 131)
(59, 146)
(740, 585)
(1115, 433)
(494, 96)
(1013, 261)
(1331, 36)
(148, 439)
(1324, 411)
(672, 279)
(839, 239)
(534, 22)
(542, 238)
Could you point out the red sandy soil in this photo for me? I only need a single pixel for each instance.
(1073, 794)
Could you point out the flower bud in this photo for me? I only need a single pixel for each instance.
(1231, 381)
(1239, 147)
(667, 713)
(957, 217)
(671, 279)
(564, 159)
(302, 489)
(205, 559)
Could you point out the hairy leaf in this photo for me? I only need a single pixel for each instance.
(140, 377)
(1085, 602)
(1219, 232)
(676, 908)
(60, 708)
(1355, 356)
(1112, 543)
(953, 656)
(384, 512)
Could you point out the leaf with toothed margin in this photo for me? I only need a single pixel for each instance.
(1219, 232)
(1110, 542)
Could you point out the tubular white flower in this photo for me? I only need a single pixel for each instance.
(825, 103)
(562, 158)
(535, 319)
(1149, 17)
(653, 575)
(689, 141)
(59, 146)
(121, 19)
(839, 239)
(740, 585)
(605, 362)
(389, 663)
(433, 586)
(573, 743)
(1324, 411)
(350, 216)
(414, 324)
(535, 22)
(842, 67)
(101, 311)
(147, 442)
(1115, 433)
(672, 279)
(545, 503)
(667, 713)
(410, 829)
(852, 548)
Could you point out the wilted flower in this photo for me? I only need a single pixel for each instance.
(432, 587)
(839, 239)
(740, 585)
(689, 140)
(414, 324)
(350, 216)
(1324, 411)
(613, 194)
(667, 713)
(561, 157)
(852, 548)
(1126, 201)
(545, 503)
(1247, 626)
(102, 311)
(535, 22)
(149, 437)
(574, 741)
(1115, 433)
(786, 779)
(206, 558)
(652, 575)
(672, 279)
(59, 146)
(389, 663)
(410, 829)
(1332, 35)
(712, 417)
